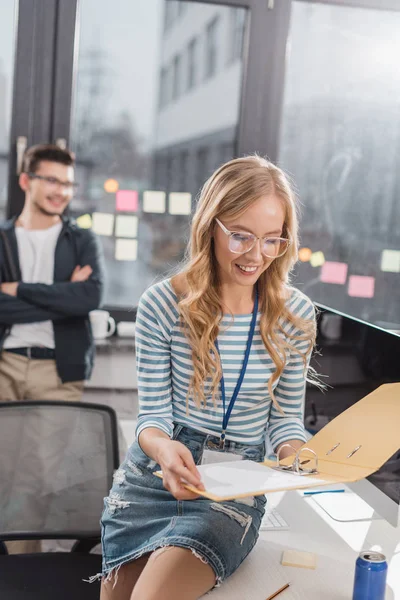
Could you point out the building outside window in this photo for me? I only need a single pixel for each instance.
(183, 170)
(143, 142)
(182, 7)
(192, 64)
(211, 48)
(163, 87)
(170, 14)
(174, 9)
(176, 77)
(237, 26)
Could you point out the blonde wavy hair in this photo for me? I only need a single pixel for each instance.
(229, 192)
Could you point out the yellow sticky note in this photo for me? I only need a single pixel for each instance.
(125, 249)
(180, 204)
(390, 261)
(126, 226)
(317, 259)
(84, 221)
(103, 223)
(154, 202)
(295, 558)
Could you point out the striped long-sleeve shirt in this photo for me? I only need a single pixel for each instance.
(164, 366)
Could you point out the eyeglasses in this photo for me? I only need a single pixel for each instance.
(241, 242)
(53, 182)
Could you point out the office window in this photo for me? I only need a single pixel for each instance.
(237, 25)
(166, 86)
(211, 48)
(7, 47)
(183, 170)
(170, 14)
(226, 152)
(163, 87)
(167, 15)
(201, 166)
(176, 77)
(129, 138)
(341, 108)
(182, 7)
(192, 64)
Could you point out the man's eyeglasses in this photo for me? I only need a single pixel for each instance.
(241, 242)
(53, 182)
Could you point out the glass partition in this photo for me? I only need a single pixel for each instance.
(340, 141)
(155, 111)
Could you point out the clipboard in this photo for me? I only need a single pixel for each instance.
(350, 447)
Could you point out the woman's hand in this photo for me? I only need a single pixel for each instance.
(176, 462)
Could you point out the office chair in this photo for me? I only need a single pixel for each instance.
(57, 461)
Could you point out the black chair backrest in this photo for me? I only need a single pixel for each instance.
(57, 461)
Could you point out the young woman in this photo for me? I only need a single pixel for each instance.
(222, 354)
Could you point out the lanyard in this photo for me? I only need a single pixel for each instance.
(227, 413)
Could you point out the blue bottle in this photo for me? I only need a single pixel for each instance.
(370, 576)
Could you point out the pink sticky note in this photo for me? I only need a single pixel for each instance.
(334, 272)
(361, 287)
(127, 200)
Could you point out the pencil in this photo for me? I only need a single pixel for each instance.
(282, 589)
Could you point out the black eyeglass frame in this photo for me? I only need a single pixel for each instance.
(54, 181)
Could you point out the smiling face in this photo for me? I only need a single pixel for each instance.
(265, 217)
(49, 198)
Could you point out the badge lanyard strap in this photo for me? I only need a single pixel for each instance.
(227, 414)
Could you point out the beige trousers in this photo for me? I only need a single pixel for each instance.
(22, 378)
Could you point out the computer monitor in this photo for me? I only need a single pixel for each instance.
(354, 359)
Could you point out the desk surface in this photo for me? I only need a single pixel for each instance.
(311, 529)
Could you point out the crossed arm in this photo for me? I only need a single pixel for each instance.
(35, 302)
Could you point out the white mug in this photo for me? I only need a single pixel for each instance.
(102, 324)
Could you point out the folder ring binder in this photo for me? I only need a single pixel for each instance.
(297, 465)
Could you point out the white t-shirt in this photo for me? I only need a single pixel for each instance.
(36, 249)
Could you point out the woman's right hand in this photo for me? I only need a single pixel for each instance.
(176, 462)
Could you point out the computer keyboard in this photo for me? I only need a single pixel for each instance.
(273, 521)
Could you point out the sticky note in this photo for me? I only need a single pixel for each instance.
(334, 272)
(390, 261)
(126, 226)
(180, 204)
(127, 200)
(317, 259)
(103, 223)
(305, 254)
(295, 558)
(84, 221)
(154, 202)
(361, 287)
(125, 249)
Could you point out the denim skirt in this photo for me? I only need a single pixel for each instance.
(140, 515)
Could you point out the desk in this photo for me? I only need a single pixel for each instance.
(311, 529)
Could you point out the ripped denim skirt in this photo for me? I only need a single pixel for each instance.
(140, 515)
